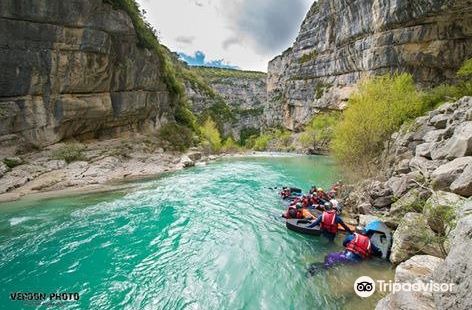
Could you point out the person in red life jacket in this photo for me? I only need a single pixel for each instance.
(329, 221)
(358, 248)
(285, 193)
(305, 201)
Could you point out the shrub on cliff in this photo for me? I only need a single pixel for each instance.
(210, 134)
(451, 92)
(175, 137)
(374, 112)
(230, 146)
(70, 152)
(320, 130)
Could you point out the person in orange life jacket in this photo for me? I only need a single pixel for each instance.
(297, 212)
(329, 221)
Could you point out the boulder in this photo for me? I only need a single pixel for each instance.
(460, 144)
(195, 155)
(423, 165)
(438, 150)
(457, 269)
(382, 202)
(423, 150)
(418, 269)
(439, 121)
(399, 185)
(403, 166)
(412, 201)
(439, 207)
(434, 135)
(446, 174)
(463, 184)
(378, 189)
(186, 161)
(3, 169)
(413, 236)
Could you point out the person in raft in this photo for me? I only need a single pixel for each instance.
(297, 212)
(358, 248)
(329, 221)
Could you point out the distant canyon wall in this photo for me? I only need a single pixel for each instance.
(342, 41)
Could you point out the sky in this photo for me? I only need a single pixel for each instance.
(245, 34)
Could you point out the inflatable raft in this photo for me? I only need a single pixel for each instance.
(301, 227)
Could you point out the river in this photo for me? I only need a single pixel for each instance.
(203, 238)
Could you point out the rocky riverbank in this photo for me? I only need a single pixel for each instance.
(425, 195)
(97, 166)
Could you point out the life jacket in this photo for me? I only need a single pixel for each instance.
(328, 222)
(360, 246)
(292, 213)
(305, 202)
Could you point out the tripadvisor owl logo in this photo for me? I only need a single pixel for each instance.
(364, 286)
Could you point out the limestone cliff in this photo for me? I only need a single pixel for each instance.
(236, 97)
(342, 41)
(74, 69)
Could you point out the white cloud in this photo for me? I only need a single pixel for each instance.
(245, 33)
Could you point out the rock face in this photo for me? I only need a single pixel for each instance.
(457, 269)
(342, 41)
(418, 269)
(241, 93)
(71, 69)
(413, 236)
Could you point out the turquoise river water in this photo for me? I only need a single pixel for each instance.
(204, 238)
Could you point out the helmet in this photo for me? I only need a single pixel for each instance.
(328, 206)
(298, 205)
(320, 189)
(360, 230)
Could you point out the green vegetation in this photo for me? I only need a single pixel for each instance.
(175, 137)
(230, 146)
(443, 219)
(320, 89)
(70, 152)
(246, 134)
(466, 70)
(319, 130)
(446, 92)
(274, 139)
(308, 57)
(375, 111)
(210, 73)
(12, 162)
(211, 135)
